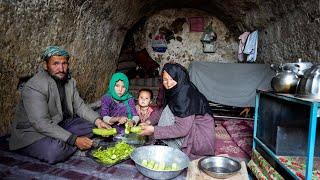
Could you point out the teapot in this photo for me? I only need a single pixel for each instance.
(298, 67)
(309, 85)
(285, 80)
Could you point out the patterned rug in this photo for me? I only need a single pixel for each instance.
(241, 132)
(225, 145)
(15, 166)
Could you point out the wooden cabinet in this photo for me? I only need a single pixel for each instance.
(286, 126)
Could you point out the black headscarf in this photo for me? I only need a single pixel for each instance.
(184, 99)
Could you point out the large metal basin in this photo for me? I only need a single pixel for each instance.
(165, 154)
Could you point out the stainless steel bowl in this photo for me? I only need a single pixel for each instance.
(219, 167)
(164, 154)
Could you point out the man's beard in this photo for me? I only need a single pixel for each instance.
(64, 80)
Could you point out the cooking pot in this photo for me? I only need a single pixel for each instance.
(309, 85)
(298, 67)
(285, 80)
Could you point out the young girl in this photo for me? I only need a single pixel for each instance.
(117, 105)
(143, 107)
(185, 122)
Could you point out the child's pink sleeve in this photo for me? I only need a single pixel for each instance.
(155, 116)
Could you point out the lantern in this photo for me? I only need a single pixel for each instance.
(208, 38)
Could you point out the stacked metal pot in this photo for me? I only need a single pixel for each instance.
(300, 78)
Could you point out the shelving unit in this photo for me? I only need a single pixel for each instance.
(276, 111)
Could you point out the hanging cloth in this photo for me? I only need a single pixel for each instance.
(242, 41)
(251, 47)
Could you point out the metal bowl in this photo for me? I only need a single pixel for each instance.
(157, 153)
(219, 167)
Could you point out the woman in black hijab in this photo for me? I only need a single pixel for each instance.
(185, 122)
(184, 99)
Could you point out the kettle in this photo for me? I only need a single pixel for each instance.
(298, 67)
(309, 85)
(285, 80)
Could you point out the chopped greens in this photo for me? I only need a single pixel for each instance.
(114, 154)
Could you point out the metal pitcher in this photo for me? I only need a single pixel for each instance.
(309, 85)
(298, 67)
(285, 80)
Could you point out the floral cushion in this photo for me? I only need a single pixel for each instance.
(297, 164)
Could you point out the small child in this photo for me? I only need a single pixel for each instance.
(118, 105)
(143, 107)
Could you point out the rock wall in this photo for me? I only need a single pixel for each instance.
(186, 47)
(92, 32)
(288, 30)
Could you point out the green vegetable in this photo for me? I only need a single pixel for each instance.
(156, 166)
(136, 129)
(151, 164)
(127, 128)
(161, 166)
(174, 166)
(104, 132)
(144, 163)
(114, 154)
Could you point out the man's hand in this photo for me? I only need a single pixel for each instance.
(83, 143)
(147, 130)
(100, 124)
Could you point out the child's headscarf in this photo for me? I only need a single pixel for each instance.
(126, 96)
(184, 99)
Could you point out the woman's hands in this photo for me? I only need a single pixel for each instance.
(147, 129)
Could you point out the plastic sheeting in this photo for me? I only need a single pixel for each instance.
(231, 84)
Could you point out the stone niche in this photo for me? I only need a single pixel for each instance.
(185, 46)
